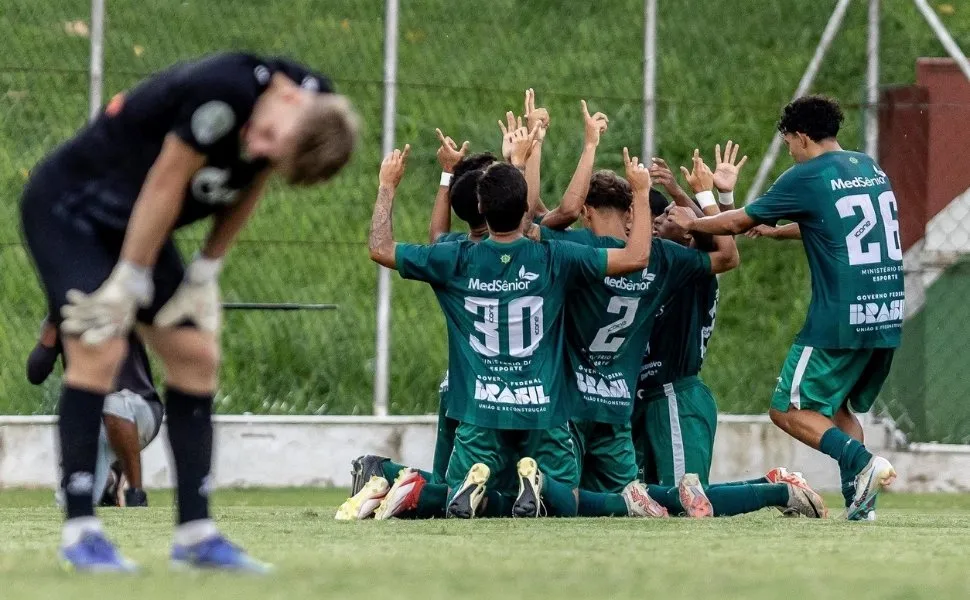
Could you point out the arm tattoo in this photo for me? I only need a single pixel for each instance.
(381, 227)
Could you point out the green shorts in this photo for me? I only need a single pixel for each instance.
(678, 421)
(607, 461)
(823, 379)
(500, 449)
(444, 442)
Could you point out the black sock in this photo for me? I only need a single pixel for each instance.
(190, 436)
(78, 427)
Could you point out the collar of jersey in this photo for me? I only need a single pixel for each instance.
(492, 242)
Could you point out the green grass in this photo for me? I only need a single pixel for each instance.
(724, 70)
(917, 549)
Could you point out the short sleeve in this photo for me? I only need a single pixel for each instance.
(578, 263)
(213, 109)
(434, 263)
(451, 236)
(303, 76)
(781, 201)
(577, 236)
(683, 264)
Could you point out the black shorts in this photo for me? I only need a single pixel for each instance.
(72, 252)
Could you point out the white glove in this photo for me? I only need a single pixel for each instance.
(196, 299)
(109, 311)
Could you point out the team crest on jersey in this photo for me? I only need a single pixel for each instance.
(505, 258)
(211, 121)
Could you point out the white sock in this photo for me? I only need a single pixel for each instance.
(193, 532)
(74, 529)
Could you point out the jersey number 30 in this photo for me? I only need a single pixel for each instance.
(872, 251)
(524, 317)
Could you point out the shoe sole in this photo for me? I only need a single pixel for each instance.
(462, 506)
(391, 503)
(526, 504)
(353, 509)
(696, 504)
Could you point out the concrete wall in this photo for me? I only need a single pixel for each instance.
(316, 451)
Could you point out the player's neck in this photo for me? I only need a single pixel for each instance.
(505, 237)
(476, 234)
(610, 227)
(824, 146)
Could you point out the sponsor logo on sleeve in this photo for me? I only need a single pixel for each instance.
(211, 121)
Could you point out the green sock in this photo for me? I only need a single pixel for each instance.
(496, 505)
(432, 502)
(558, 498)
(596, 504)
(391, 469)
(756, 480)
(729, 500)
(668, 497)
(851, 455)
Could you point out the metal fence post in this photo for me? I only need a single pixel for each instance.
(872, 82)
(382, 363)
(649, 79)
(96, 69)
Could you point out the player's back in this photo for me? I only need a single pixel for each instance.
(847, 214)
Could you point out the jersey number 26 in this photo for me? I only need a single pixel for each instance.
(872, 252)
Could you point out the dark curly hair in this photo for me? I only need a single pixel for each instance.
(502, 195)
(463, 189)
(658, 202)
(609, 190)
(818, 117)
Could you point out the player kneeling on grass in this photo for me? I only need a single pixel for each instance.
(197, 140)
(503, 300)
(132, 416)
(846, 213)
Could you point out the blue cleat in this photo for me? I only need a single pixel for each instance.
(217, 553)
(95, 554)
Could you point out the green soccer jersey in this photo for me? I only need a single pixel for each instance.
(608, 324)
(846, 210)
(680, 336)
(503, 306)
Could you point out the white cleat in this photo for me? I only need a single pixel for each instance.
(877, 476)
(364, 503)
(640, 504)
(528, 503)
(403, 495)
(693, 498)
(803, 500)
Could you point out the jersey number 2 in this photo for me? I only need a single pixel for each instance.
(872, 252)
(627, 309)
(524, 317)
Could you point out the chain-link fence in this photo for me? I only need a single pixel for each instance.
(724, 69)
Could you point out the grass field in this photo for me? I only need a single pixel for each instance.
(918, 548)
(724, 70)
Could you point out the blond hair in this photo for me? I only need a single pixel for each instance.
(326, 137)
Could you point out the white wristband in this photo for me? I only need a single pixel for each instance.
(706, 198)
(445, 179)
(203, 270)
(725, 198)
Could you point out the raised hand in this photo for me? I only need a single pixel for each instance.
(535, 116)
(393, 166)
(726, 168)
(510, 125)
(521, 144)
(595, 125)
(449, 153)
(636, 174)
(682, 216)
(662, 174)
(700, 177)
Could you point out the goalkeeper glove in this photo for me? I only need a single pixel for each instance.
(109, 311)
(196, 299)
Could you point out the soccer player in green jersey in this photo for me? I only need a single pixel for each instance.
(503, 301)
(846, 213)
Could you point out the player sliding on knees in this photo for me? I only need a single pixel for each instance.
(132, 416)
(197, 140)
(502, 300)
(846, 214)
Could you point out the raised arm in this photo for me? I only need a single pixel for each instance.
(535, 118)
(636, 254)
(575, 195)
(448, 156)
(726, 170)
(381, 239)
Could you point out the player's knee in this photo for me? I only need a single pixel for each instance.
(779, 418)
(193, 365)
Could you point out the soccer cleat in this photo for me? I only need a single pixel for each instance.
(528, 504)
(363, 504)
(93, 553)
(216, 553)
(640, 504)
(136, 497)
(693, 498)
(363, 468)
(803, 500)
(403, 495)
(876, 476)
(783, 475)
(465, 503)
